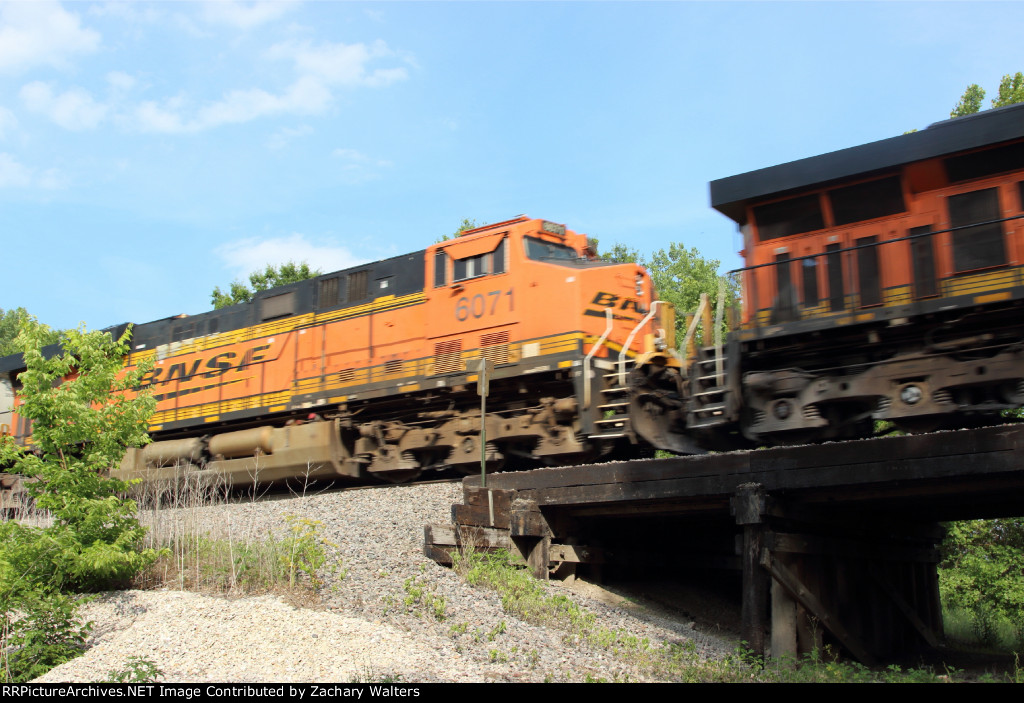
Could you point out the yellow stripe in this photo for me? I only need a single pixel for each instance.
(979, 299)
(278, 401)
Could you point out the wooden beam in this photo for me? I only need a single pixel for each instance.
(783, 623)
(805, 597)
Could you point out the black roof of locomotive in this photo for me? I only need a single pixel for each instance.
(731, 195)
(405, 272)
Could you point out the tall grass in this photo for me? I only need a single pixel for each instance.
(209, 551)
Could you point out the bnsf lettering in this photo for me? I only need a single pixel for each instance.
(608, 300)
(214, 366)
(220, 364)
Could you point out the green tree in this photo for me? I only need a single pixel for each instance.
(970, 101)
(622, 254)
(1011, 92)
(983, 569)
(464, 226)
(84, 415)
(10, 323)
(270, 277)
(681, 275)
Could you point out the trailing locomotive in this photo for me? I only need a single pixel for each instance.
(373, 371)
(882, 282)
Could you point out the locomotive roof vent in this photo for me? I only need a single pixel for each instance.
(553, 228)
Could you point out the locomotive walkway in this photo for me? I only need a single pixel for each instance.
(835, 543)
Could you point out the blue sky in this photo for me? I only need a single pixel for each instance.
(152, 151)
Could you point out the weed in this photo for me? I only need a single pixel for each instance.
(137, 670)
(367, 674)
(304, 551)
(420, 598)
(498, 629)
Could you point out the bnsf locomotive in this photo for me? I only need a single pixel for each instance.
(882, 282)
(374, 371)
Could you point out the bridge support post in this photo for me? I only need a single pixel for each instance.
(748, 507)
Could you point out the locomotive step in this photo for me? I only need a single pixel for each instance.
(718, 390)
(716, 409)
(615, 405)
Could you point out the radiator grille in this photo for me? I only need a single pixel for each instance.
(494, 347)
(448, 356)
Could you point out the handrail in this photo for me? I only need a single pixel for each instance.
(609, 317)
(629, 341)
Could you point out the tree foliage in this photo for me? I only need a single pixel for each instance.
(970, 101)
(84, 415)
(1011, 92)
(680, 276)
(464, 226)
(11, 322)
(270, 277)
(983, 568)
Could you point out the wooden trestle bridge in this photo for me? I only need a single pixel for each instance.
(845, 534)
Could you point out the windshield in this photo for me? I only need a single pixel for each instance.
(552, 253)
(539, 250)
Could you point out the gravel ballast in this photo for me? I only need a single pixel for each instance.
(361, 630)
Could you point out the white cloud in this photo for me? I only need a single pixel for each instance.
(340, 64)
(320, 69)
(41, 32)
(284, 136)
(15, 175)
(356, 158)
(73, 109)
(244, 256)
(244, 15)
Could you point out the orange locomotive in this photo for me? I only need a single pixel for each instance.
(373, 371)
(883, 282)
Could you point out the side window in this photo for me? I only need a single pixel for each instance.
(980, 246)
(786, 217)
(809, 271)
(440, 269)
(922, 251)
(471, 267)
(498, 258)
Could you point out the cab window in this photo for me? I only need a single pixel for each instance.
(540, 250)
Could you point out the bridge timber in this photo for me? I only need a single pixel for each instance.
(836, 543)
